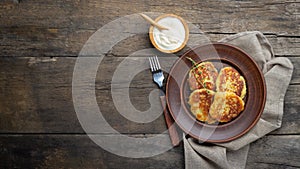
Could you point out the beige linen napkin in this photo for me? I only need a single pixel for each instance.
(277, 72)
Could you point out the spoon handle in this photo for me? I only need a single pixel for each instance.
(153, 22)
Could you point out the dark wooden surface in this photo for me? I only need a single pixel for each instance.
(39, 43)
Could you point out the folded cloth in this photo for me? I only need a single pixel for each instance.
(277, 72)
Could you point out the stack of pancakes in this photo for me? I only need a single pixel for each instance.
(216, 96)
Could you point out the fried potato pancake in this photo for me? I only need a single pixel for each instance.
(200, 101)
(226, 106)
(229, 80)
(203, 75)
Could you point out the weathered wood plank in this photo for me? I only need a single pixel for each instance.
(74, 151)
(36, 96)
(38, 125)
(296, 71)
(78, 151)
(275, 152)
(291, 111)
(283, 46)
(211, 15)
(57, 28)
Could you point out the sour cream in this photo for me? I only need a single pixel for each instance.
(174, 38)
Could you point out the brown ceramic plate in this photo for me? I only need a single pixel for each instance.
(177, 92)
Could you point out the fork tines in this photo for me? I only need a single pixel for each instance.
(154, 64)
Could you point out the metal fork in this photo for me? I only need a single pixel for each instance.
(158, 78)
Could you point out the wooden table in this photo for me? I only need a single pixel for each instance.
(40, 42)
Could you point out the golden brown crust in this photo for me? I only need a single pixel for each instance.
(200, 101)
(229, 80)
(226, 106)
(221, 106)
(203, 75)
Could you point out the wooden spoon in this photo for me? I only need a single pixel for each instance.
(153, 22)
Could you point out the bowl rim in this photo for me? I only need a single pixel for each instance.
(186, 28)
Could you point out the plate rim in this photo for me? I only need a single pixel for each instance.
(261, 108)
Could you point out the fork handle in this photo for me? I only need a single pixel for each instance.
(169, 121)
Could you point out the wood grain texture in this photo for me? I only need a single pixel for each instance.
(78, 151)
(57, 28)
(37, 97)
(74, 151)
(39, 43)
(269, 149)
